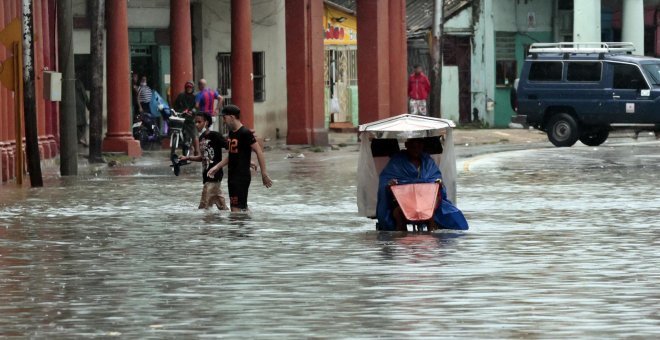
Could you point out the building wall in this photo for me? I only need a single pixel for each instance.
(81, 45)
(148, 13)
(460, 23)
(268, 35)
(531, 21)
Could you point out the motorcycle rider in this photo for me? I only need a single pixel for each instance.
(185, 103)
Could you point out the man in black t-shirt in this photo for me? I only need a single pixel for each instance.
(240, 143)
(211, 144)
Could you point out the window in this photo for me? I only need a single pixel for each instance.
(652, 70)
(565, 5)
(583, 71)
(626, 76)
(505, 73)
(545, 71)
(505, 58)
(258, 72)
(259, 76)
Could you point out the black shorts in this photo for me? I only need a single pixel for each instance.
(238, 192)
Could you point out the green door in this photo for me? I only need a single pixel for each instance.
(162, 62)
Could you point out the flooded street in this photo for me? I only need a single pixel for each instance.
(563, 243)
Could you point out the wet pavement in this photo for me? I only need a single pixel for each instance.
(563, 243)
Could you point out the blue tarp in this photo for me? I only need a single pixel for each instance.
(400, 168)
(156, 101)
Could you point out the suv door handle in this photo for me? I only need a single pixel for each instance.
(615, 96)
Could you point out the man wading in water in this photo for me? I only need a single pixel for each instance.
(241, 143)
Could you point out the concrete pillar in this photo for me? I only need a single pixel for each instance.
(632, 29)
(304, 73)
(483, 57)
(373, 56)
(242, 88)
(181, 52)
(119, 137)
(398, 57)
(586, 21)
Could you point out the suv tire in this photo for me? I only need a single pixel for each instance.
(595, 137)
(562, 130)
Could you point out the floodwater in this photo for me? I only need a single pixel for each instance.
(563, 243)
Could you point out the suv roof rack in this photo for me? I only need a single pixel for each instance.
(582, 47)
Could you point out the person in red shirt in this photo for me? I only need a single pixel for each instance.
(419, 87)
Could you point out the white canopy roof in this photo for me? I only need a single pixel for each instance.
(402, 127)
(408, 122)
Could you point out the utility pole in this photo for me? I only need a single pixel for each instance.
(97, 13)
(436, 59)
(68, 144)
(29, 100)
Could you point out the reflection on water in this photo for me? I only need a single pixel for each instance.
(563, 244)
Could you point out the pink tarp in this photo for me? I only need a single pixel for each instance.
(418, 201)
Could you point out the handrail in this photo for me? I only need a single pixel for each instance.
(582, 47)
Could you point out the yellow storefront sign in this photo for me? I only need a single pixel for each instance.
(340, 27)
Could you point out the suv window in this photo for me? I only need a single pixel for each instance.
(583, 71)
(545, 71)
(653, 70)
(627, 76)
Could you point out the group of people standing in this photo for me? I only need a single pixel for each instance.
(201, 122)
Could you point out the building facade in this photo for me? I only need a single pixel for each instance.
(266, 57)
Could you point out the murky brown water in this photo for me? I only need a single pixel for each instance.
(563, 243)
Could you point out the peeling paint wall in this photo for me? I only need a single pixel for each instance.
(531, 20)
(483, 60)
(450, 104)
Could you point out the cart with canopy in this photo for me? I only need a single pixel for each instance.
(381, 140)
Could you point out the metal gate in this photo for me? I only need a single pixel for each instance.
(340, 75)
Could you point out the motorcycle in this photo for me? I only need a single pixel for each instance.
(146, 127)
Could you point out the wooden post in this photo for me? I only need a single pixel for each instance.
(29, 100)
(68, 135)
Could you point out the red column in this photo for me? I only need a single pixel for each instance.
(12, 11)
(5, 96)
(47, 65)
(398, 58)
(373, 60)
(118, 137)
(181, 52)
(304, 72)
(55, 108)
(242, 88)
